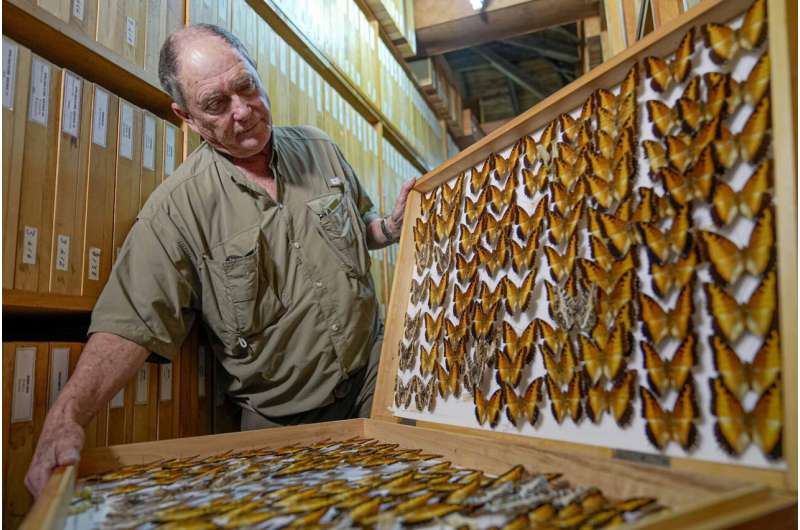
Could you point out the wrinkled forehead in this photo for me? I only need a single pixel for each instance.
(202, 55)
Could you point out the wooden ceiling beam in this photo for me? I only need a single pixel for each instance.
(511, 71)
(447, 26)
(545, 51)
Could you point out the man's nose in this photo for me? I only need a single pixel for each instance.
(241, 108)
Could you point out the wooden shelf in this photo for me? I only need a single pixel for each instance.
(283, 26)
(22, 302)
(67, 46)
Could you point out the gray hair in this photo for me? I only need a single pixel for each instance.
(168, 57)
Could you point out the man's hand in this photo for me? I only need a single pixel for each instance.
(60, 444)
(394, 221)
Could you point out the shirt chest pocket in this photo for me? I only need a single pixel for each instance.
(341, 227)
(238, 300)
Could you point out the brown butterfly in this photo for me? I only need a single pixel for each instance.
(728, 204)
(466, 269)
(456, 332)
(474, 208)
(724, 94)
(433, 327)
(674, 241)
(566, 403)
(514, 342)
(524, 406)
(411, 326)
(427, 204)
(621, 298)
(620, 233)
(663, 74)
(428, 358)
(478, 179)
(493, 228)
(554, 338)
(729, 262)
(662, 375)
(444, 224)
(692, 89)
(419, 290)
(402, 393)
(496, 258)
(469, 239)
(437, 292)
(565, 201)
(664, 426)
(454, 352)
(533, 182)
(725, 42)
(523, 256)
(611, 191)
(607, 279)
(561, 265)
(651, 208)
(531, 224)
(448, 382)
(660, 324)
(509, 369)
(618, 400)
(675, 275)
(424, 393)
(488, 297)
(740, 376)
(560, 368)
(732, 319)
(444, 260)
(529, 151)
(501, 198)
(452, 195)
(483, 320)
(757, 83)
(504, 166)
(736, 427)
(544, 146)
(563, 228)
(407, 355)
(754, 139)
(462, 300)
(518, 297)
(609, 359)
(488, 410)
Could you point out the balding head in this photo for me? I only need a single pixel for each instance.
(169, 58)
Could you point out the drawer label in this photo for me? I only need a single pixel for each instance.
(22, 396)
(39, 104)
(59, 373)
(10, 52)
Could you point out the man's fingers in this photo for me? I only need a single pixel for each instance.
(68, 456)
(39, 472)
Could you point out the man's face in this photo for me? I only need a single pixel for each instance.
(225, 101)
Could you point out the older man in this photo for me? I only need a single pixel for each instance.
(264, 233)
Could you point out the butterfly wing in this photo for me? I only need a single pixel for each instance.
(768, 421)
(731, 369)
(753, 139)
(620, 398)
(766, 366)
(730, 429)
(683, 429)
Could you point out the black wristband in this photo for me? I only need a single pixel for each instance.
(385, 231)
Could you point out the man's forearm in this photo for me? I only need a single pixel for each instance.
(375, 236)
(107, 363)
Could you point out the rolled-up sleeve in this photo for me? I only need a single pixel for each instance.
(150, 297)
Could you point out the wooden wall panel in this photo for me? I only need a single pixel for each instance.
(129, 165)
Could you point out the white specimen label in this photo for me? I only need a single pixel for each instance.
(142, 384)
(59, 372)
(94, 264)
(78, 9)
(71, 105)
(10, 52)
(130, 31)
(169, 150)
(39, 104)
(62, 253)
(22, 396)
(126, 132)
(165, 383)
(149, 143)
(118, 401)
(30, 241)
(100, 117)
(201, 372)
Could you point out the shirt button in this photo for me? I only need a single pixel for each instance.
(280, 205)
(318, 284)
(335, 327)
(296, 244)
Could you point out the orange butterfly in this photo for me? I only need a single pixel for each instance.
(661, 245)
(587, 109)
(757, 83)
(615, 113)
(664, 375)
(524, 406)
(444, 224)
(725, 43)
(501, 198)
(531, 224)
(452, 195)
(469, 239)
(675, 275)
(663, 74)
(427, 204)
(569, 127)
(560, 368)
(562, 228)
(533, 183)
(565, 201)
(656, 156)
(607, 360)
(724, 94)
(620, 233)
(554, 338)
(456, 332)
(509, 369)
(735, 427)
(607, 279)
(488, 410)
(504, 166)
(678, 425)
(514, 343)
(630, 83)
(566, 403)
(529, 151)
(621, 298)
(523, 256)
(696, 185)
(493, 228)
(756, 315)
(466, 269)
(650, 208)
(607, 192)
(729, 262)
(663, 117)
(569, 173)
(561, 265)
(463, 299)
(433, 327)
(692, 90)
(583, 140)
(483, 320)
(618, 400)
(474, 208)
(615, 148)
(740, 376)
(495, 259)
(601, 254)
(449, 383)
(545, 145)
(489, 298)
(437, 292)
(428, 358)
(753, 139)
(660, 324)
(478, 179)
(728, 204)
(518, 297)
(454, 352)
(679, 151)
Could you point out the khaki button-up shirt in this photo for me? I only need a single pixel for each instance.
(284, 285)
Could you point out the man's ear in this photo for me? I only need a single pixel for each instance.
(183, 115)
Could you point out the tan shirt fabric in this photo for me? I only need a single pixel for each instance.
(284, 285)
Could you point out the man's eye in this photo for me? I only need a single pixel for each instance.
(214, 106)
